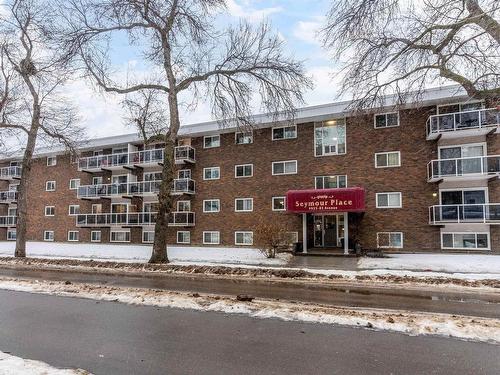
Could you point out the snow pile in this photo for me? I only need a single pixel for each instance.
(411, 323)
(452, 263)
(10, 365)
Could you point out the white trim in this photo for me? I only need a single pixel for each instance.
(183, 242)
(385, 114)
(148, 231)
(466, 248)
(45, 237)
(73, 205)
(387, 153)
(184, 202)
(77, 185)
(389, 246)
(47, 185)
(284, 173)
(242, 199)
(211, 243)
(77, 235)
(284, 203)
(462, 189)
(100, 236)
(241, 243)
(484, 144)
(472, 101)
(333, 175)
(336, 153)
(9, 231)
(283, 127)
(118, 231)
(45, 211)
(183, 171)
(389, 192)
(211, 212)
(242, 165)
(54, 158)
(211, 136)
(211, 168)
(250, 133)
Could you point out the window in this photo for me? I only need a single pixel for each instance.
(97, 180)
(184, 173)
(279, 204)
(148, 236)
(183, 206)
(212, 173)
(152, 176)
(390, 240)
(284, 132)
(329, 137)
(50, 186)
(74, 209)
(73, 235)
(243, 170)
(243, 238)
(285, 167)
(330, 182)
(51, 161)
(150, 207)
(211, 238)
(50, 210)
(74, 183)
(211, 205)
(243, 204)
(389, 200)
(12, 211)
(11, 234)
(97, 208)
(386, 120)
(243, 138)
(48, 235)
(465, 241)
(463, 151)
(387, 159)
(184, 237)
(291, 238)
(95, 236)
(120, 236)
(211, 141)
(459, 107)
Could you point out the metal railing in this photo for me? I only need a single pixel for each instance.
(183, 154)
(488, 213)
(118, 219)
(8, 221)
(183, 186)
(181, 219)
(462, 167)
(108, 190)
(97, 162)
(8, 196)
(10, 172)
(449, 122)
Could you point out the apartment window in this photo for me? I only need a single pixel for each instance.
(95, 236)
(329, 138)
(330, 182)
(211, 173)
(211, 141)
(12, 211)
(183, 206)
(150, 207)
(243, 238)
(464, 151)
(152, 176)
(284, 132)
(50, 186)
(465, 241)
(97, 180)
(184, 237)
(389, 200)
(386, 120)
(387, 159)
(148, 236)
(211, 205)
(211, 238)
(11, 235)
(279, 204)
(74, 183)
(97, 208)
(120, 236)
(97, 152)
(184, 173)
(243, 170)
(48, 235)
(243, 204)
(243, 138)
(50, 210)
(73, 235)
(291, 238)
(51, 161)
(74, 209)
(460, 107)
(284, 167)
(390, 240)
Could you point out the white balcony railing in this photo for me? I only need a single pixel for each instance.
(183, 186)
(463, 167)
(181, 219)
(8, 196)
(142, 188)
(184, 154)
(452, 122)
(116, 219)
(130, 159)
(488, 213)
(9, 173)
(8, 221)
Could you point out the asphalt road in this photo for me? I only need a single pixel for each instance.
(114, 338)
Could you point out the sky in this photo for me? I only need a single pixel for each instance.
(297, 22)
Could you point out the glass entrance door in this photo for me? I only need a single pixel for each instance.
(328, 230)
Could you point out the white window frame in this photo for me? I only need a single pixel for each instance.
(460, 104)
(463, 190)
(77, 183)
(316, 124)
(245, 134)
(9, 234)
(211, 136)
(211, 169)
(488, 236)
(242, 243)
(284, 137)
(144, 174)
(118, 231)
(335, 175)
(96, 179)
(385, 115)
(242, 199)
(53, 161)
(73, 232)
(144, 233)
(73, 205)
(92, 236)
(50, 207)
(389, 192)
(94, 211)
(284, 173)
(387, 154)
(184, 233)
(243, 166)
(284, 203)
(295, 236)
(183, 202)
(45, 233)
(389, 246)
(47, 185)
(211, 232)
(462, 146)
(211, 212)
(181, 172)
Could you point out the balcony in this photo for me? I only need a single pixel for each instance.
(465, 213)
(8, 221)
(7, 197)
(181, 219)
(459, 124)
(183, 186)
(471, 168)
(184, 154)
(10, 173)
(143, 188)
(118, 161)
(131, 219)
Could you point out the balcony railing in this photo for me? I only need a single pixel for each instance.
(130, 159)
(183, 186)
(181, 219)
(465, 213)
(463, 167)
(184, 154)
(451, 122)
(119, 219)
(9, 173)
(109, 190)
(8, 221)
(8, 196)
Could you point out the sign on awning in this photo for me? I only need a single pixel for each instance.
(326, 200)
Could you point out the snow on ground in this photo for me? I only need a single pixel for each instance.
(411, 323)
(11, 365)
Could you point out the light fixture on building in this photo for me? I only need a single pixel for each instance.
(434, 195)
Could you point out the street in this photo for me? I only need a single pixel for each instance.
(114, 338)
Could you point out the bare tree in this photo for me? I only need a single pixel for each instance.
(187, 54)
(271, 236)
(33, 111)
(394, 46)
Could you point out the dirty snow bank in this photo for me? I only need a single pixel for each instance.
(11, 365)
(411, 323)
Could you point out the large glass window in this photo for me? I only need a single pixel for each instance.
(387, 159)
(478, 241)
(330, 182)
(243, 238)
(388, 200)
(285, 167)
(329, 137)
(386, 120)
(284, 132)
(392, 240)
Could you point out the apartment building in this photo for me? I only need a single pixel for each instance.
(423, 178)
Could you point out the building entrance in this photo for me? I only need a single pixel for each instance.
(328, 230)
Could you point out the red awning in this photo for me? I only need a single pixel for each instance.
(326, 200)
